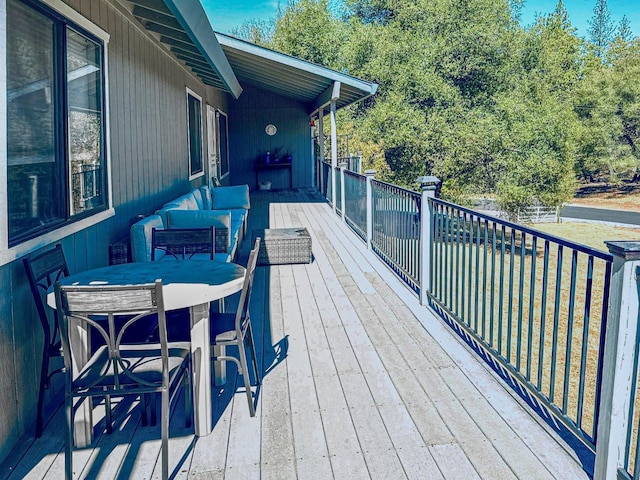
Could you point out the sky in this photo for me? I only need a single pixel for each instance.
(581, 11)
(227, 14)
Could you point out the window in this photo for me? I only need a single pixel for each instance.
(223, 135)
(194, 117)
(56, 149)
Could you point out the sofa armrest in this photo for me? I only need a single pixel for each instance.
(140, 235)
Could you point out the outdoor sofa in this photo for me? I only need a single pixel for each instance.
(224, 208)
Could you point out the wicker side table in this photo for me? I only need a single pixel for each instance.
(281, 246)
(119, 251)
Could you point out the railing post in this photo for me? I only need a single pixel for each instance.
(619, 360)
(370, 174)
(343, 166)
(334, 151)
(321, 145)
(428, 186)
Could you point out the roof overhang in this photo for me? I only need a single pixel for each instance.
(314, 85)
(184, 27)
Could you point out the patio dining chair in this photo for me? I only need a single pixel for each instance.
(43, 270)
(183, 243)
(229, 329)
(119, 368)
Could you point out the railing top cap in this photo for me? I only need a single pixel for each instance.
(370, 173)
(629, 250)
(428, 180)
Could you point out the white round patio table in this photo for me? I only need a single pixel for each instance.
(186, 283)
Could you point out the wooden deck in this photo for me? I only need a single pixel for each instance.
(360, 382)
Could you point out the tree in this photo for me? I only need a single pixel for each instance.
(371, 11)
(601, 28)
(624, 30)
(516, 9)
(256, 31)
(308, 29)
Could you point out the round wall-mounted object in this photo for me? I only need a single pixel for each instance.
(270, 129)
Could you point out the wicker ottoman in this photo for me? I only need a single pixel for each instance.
(280, 246)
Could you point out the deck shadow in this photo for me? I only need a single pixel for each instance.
(584, 455)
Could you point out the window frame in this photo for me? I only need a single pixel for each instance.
(197, 174)
(59, 11)
(224, 156)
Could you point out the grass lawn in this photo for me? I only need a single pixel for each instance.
(623, 197)
(590, 234)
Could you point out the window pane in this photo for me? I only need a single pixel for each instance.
(195, 135)
(35, 189)
(84, 92)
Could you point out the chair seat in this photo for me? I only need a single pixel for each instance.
(144, 360)
(223, 327)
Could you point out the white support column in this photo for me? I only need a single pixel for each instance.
(343, 166)
(619, 355)
(313, 153)
(334, 152)
(370, 176)
(321, 142)
(428, 186)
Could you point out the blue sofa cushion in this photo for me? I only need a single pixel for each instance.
(221, 221)
(227, 198)
(197, 196)
(140, 233)
(206, 197)
(185, 202)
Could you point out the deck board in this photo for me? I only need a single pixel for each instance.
(359, 381)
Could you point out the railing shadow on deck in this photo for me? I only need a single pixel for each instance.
(584, 454)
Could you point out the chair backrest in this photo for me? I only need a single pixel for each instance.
(43, 270)
(242, 314)
(86, 305)
(183, 243)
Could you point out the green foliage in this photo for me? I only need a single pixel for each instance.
(601, 28)
(470, 96)
(624, 33)
(307, 29)
(259, 32)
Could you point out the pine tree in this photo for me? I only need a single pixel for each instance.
(601, 28)
(624, 29)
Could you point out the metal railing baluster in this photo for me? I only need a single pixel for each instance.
(532, 289)
(543, 310)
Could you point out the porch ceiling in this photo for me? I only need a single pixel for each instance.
(183, 26)
(291, 77)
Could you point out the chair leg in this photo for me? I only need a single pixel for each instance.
(187, 395)
(107, 406)
(68, 444)
(44, 381)
(153, 404)
(245, 376)
(165, 434)
(143, 405)
(254, 357)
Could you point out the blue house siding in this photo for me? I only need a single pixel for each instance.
(248, 117)
(149, 166)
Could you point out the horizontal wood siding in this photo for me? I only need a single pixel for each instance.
(248, 117)
(149, 166)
